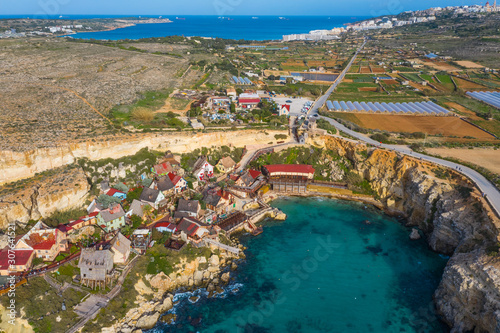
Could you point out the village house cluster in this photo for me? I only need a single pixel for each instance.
(220, 201)
(421, 16)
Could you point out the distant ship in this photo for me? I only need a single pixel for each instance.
(180, 18)
(283, 18)
(255, 18)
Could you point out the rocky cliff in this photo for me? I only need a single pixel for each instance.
(20, 165)
(40, 197)
(154, 301)
(454, 217)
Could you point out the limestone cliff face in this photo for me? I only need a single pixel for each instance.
(469, 294)
(456, 221)
(20, 165)
(409, 186)
(40, 198)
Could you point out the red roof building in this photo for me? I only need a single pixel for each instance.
(289, 170)
(254, 173)
(165, 227)
(44, 241)
(113, 192)
(174, 178)
(248, 100)
(163, 168)
(22, 260)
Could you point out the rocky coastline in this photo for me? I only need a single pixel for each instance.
(456, 221)
(157, 292)
(448, 210)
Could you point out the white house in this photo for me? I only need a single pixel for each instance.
(151, 196)
(203, 170)
(284, 110)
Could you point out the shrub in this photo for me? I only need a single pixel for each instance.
(121, 187)
(106, 200)
(380, 137)
(142, 114)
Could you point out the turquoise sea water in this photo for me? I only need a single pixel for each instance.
(325, 269)
(236, 27)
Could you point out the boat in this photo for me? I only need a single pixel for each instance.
(180, 18)
(255, 18)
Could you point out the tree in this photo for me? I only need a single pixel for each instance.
(156, 235)
(146, 182)
(106, 200)
(121, 187)
(136, 221)
(380, 137)
(134, 194)
(232, 108)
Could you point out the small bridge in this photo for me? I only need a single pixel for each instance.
(228, 248)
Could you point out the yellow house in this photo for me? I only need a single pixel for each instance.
(226, 164)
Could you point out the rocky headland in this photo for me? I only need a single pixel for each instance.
(156, 292)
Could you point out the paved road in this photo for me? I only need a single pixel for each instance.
(492, 194)
(322, 100)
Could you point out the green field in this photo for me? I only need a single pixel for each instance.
(427, 77)
(445, 79)
(412, 77)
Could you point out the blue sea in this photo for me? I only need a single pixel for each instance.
(234, 27)
(332, 266)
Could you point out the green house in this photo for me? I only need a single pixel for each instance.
(111, 219)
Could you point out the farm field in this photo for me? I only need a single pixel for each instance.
(446, 126)
(466, 85)
(490, 125)
(468, 64)
(440, 66)
(485, 157)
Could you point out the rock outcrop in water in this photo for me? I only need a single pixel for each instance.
(155, 301)
(456, 220)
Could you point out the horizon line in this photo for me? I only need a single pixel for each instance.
(156, 15)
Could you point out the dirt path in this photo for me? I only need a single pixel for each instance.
(485, 157)
(80, 97)
(167, 107)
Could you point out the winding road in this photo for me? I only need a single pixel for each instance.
(489, 190)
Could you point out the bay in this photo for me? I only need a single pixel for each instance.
(332, 266)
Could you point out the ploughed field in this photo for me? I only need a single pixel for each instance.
(486, 157)
(432, 125)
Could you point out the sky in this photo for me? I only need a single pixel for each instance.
(221, 7)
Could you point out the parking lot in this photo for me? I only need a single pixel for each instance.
(296, 105)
